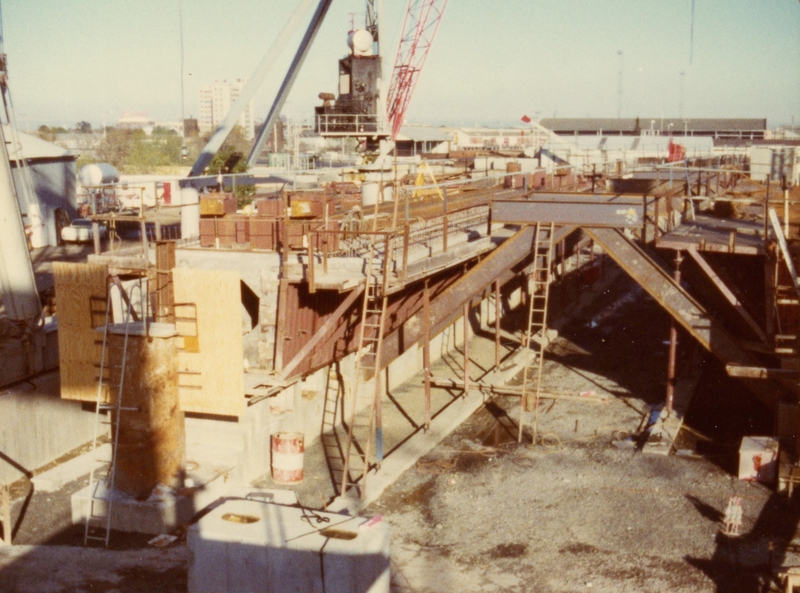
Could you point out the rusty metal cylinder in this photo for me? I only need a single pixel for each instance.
(151, 445)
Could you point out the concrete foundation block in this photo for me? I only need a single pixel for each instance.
(245, 545)
(158, 514)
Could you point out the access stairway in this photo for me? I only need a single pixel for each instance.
(690, 314)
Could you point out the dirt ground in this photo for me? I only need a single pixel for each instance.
(581, 509)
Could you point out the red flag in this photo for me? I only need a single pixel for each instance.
(526, 119)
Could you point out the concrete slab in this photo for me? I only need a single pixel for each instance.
(245, 545)
(77, 467)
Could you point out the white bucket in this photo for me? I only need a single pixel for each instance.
(287, 457)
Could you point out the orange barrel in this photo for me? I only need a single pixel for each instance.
(287, 457)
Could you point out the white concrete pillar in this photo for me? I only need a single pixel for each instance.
(190, 213)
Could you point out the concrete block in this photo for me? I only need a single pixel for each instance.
(77, 467)
(758, 459)
(159, 514)
(244, 545)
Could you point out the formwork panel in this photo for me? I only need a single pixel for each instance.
(79, 346)
(211, 364)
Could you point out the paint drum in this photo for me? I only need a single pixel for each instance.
(287, 457)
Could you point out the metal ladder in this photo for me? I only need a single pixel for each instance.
(786, 298)
(103, 496)
(537, 323)
(332, 415)
(362, 429)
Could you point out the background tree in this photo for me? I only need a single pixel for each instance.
(83, 127)
(231, 158)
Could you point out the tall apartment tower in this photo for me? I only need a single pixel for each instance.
(216, 100)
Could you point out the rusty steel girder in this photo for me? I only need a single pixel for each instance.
(590, 211)
(447, 307)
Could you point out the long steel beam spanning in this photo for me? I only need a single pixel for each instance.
(447, 307)
(683, 308)
(592, 211)
(288, 81)
(227, 125)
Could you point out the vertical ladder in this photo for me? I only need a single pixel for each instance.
(363, 427)
(786, 298)
(332, 416)
(537, 323)
(99, 501)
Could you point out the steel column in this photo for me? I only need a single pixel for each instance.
(426, 351)
(466, 348)
(673, 342)
(5, 503)
(497, 311)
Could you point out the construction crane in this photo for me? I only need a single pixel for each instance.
(419, 29)
(362, 108)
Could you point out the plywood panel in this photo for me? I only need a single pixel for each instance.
(211, 364)
(78, 348)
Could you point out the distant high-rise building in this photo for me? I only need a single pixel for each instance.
(216, 100)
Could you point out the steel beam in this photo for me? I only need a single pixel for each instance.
(727, 293)
(683, 307)
(735, 370)
(288, 81)
(574, 212)
(227, 125)
(446, 308)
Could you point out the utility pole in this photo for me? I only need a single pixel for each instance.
(680, 105)
(619, 87)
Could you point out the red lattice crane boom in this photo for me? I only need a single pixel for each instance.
(419, 28)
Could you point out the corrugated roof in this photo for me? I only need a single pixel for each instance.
(33, 148)
(628, 125)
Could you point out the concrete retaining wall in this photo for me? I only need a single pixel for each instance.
(37, 426)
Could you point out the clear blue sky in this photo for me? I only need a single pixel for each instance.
(492, 62)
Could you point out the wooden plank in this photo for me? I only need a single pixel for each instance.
(79, 346)
(211, 378)
(749, 372)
